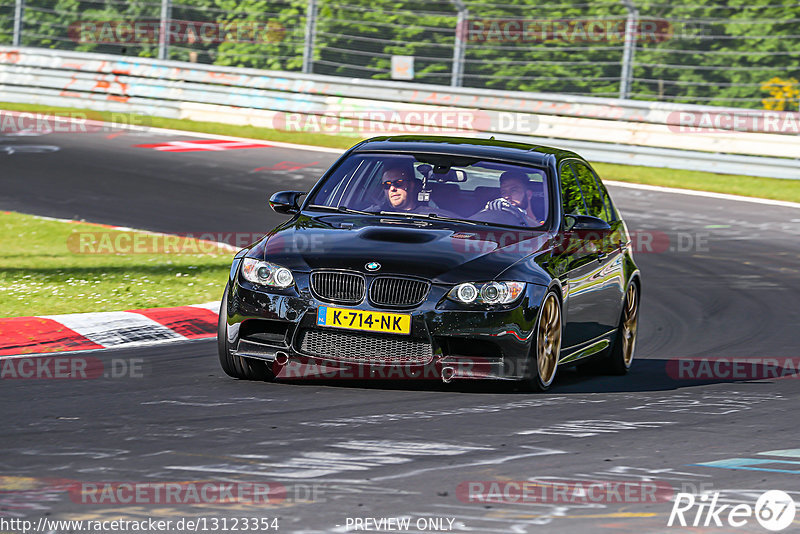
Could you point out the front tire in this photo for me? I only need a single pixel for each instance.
(237, 366)
(547, 344)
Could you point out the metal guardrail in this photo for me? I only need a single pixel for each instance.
(696, 52)
(605, 130)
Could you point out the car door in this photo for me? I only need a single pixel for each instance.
(593, 261)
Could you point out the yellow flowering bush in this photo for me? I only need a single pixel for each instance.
(784, 95)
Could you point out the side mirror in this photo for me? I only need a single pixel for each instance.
(584, 222)
(286, 202)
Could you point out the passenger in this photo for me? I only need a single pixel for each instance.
(516, 194)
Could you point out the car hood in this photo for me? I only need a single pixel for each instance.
(441, 251)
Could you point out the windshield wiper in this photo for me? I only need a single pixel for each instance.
(433, 216)
(341, 209)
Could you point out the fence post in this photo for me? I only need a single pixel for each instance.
(459, 47)
(163, 32)
(311, 31)
(19, 11)
(629, 49)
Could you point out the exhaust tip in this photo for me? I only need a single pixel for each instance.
(281, 358)
(447, 374)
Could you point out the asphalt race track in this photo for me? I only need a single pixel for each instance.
(723, 281)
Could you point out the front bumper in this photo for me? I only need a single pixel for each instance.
(446, 339)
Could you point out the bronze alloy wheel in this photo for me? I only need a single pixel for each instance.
(619, 360)
(630, 321)
(548, 340)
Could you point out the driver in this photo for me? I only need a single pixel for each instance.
(402, 194)
(401, 188)
(516, 194)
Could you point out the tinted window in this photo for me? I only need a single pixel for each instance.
(571, 197)
(450, 186)
(593, 198)
(612, 215)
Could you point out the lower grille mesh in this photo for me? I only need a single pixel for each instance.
(365, 348)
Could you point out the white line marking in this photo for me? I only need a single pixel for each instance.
(276, 144)
(358, 455)
(490, 461)
(169, 131)
(708, 194)
(213, 306)
(116, 328)
(294, 146)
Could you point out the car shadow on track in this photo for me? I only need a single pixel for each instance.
(646, 375)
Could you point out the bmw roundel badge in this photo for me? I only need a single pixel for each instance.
(373, 266)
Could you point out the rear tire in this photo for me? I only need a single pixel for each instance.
(547, 346)
(620, 357)
(237, 366)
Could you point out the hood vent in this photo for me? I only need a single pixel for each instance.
(397, 235)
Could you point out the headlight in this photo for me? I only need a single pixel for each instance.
(266, 273)
(487, 292)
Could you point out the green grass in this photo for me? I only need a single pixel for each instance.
(748, 186)
(217, 128)
(703, 181)
(44, 269)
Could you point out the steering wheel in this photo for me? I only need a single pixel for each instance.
(499, 217)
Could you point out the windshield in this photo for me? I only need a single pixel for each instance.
(459, 187)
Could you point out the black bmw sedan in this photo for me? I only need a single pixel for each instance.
(437, 257)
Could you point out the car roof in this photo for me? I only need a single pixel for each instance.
(466, 146)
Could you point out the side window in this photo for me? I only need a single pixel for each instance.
(612, 215)
(571, 198)
(593, 197)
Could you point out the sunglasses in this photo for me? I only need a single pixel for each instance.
(400, 184)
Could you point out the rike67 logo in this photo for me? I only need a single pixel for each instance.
(774, 510)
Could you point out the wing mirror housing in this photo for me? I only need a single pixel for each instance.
(584, 222)
(286, 202)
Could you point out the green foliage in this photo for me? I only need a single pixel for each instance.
(6, 22)
(276, 42)
(719, 55)
(707, 51)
